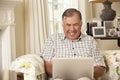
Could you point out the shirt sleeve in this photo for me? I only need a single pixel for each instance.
(49, 49)
(98, 57)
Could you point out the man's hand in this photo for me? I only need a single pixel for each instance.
(98, 71)
(48, 68)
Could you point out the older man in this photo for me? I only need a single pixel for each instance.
(72, 44)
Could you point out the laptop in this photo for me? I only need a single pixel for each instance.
(72, 68)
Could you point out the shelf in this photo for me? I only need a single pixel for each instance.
(110, 38)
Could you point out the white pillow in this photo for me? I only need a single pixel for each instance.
(31, 64)
(112, 59)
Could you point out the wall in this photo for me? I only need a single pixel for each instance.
(20, 30)
(106, 44)
(97, 7)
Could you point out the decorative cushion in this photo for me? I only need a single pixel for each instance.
(112, 60)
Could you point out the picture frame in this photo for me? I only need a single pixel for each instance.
(99, 32)
(118, 23)
(118, 33)
(89, 27)
(108, 25)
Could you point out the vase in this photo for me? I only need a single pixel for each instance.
(107, 14)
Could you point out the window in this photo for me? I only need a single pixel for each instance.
(56, 8)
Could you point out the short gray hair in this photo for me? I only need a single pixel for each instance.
(70, 12)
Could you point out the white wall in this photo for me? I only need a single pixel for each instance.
(97, 7)
(20, 29)
(116, 7)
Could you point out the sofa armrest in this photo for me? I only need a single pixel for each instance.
(31, 65)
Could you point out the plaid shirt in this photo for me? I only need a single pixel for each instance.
(60, 47)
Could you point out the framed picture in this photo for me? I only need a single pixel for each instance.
(118, 23)
(89, 27)
(108, 25)
(99, 32)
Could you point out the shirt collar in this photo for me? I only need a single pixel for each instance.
(80, 37)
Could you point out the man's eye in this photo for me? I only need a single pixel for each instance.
(76, 24)
(68, 24)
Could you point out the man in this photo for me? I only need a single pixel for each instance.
(72, 44)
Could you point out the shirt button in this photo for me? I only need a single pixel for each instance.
(74, 54)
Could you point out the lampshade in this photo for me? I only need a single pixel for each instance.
(107, 14)
(100, 1)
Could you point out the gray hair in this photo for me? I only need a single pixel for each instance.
(70, 12)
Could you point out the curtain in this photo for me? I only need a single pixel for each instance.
(0, 58)
(36, 25)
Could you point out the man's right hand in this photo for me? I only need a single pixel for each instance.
(48, 68)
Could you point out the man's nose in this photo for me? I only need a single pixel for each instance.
(71, 27)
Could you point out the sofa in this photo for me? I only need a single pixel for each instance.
(32, 66)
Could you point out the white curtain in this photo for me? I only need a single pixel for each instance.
(0, 58)
(36, 25)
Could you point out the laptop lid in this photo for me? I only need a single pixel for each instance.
(72, 68)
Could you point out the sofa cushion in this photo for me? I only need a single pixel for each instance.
(112, 60)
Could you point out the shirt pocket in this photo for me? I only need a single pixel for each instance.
(84, 52)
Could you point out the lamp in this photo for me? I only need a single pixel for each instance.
(107, 14)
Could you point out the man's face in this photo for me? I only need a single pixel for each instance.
(72, 27)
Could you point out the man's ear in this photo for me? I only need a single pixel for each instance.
(81, 23)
